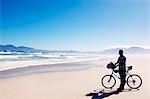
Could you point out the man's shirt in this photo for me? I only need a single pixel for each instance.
(122, 62)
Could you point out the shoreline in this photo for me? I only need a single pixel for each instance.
(60, 67)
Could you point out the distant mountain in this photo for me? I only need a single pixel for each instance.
(131, 50)
(12, 48)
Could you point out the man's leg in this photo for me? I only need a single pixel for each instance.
(122, 80)
(123, 76)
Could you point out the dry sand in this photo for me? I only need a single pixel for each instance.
(73, 84)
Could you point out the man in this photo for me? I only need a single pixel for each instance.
(122, 70)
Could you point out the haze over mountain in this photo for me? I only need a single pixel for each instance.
(131, 50)
(12, 48)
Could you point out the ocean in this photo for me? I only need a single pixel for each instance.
(9, 60)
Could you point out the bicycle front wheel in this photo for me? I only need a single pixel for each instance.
(134, 81)
(108, 81)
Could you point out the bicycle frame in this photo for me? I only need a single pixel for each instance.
(113, 73)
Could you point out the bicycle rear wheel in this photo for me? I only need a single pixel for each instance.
(134, 81)
(108, 81)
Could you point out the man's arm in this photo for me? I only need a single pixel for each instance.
(117, 62)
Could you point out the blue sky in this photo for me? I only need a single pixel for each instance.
(86, 25)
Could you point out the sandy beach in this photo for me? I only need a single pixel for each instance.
(60, 49)
(73, 84)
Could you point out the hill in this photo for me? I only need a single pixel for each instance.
(131, 50)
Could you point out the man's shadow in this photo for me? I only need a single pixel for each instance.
(103, 94)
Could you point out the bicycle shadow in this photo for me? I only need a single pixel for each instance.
(106, 93)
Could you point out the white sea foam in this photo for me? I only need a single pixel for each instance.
(11, 61)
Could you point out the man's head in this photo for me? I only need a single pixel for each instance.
(120, 52)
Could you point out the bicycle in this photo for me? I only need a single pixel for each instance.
(134, 81)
